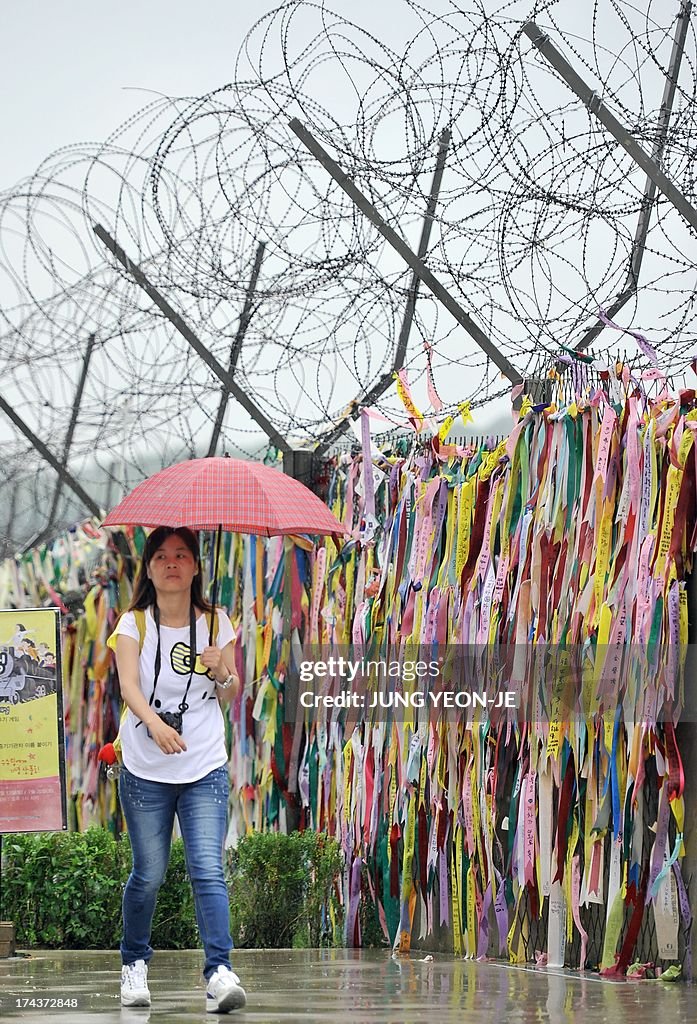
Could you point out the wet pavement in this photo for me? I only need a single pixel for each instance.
(363, 987)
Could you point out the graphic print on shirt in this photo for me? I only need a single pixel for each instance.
(180, 660)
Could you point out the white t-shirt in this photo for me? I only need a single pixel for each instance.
(203, 727)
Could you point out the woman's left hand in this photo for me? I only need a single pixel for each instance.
(212, 658)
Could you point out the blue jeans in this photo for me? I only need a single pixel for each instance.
(149, 809)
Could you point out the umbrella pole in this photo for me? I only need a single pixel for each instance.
(216, 563)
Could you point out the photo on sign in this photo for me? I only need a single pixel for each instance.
(28, 668)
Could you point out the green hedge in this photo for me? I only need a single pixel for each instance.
(63, 890)
(284, 890)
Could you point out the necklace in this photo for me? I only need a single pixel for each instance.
(164, 621)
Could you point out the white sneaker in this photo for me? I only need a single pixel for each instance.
(134, 984)
(224, 992)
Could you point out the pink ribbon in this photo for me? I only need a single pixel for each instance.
(575, 895)
(530, 829)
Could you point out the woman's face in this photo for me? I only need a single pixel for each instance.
(172, 567)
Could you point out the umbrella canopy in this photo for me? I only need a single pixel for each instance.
(239, 496)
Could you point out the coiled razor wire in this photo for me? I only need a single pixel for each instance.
(533, 233)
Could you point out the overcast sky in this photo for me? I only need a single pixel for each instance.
(69, 67)
(73, 70)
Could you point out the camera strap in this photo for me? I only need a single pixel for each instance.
(183, 706)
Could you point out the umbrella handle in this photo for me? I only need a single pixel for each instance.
(218, 538)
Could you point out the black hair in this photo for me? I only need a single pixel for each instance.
(144, 595)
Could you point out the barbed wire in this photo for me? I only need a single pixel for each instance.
(533, 232)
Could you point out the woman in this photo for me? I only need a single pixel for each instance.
(174, 757)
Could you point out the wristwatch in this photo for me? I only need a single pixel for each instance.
(226, 683)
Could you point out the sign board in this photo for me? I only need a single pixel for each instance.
(32, 749)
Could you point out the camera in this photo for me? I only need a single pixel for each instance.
(174, 719)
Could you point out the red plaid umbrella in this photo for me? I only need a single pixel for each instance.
(225, 494)
(228, 494)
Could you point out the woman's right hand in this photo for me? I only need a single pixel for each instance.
(168, 739)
